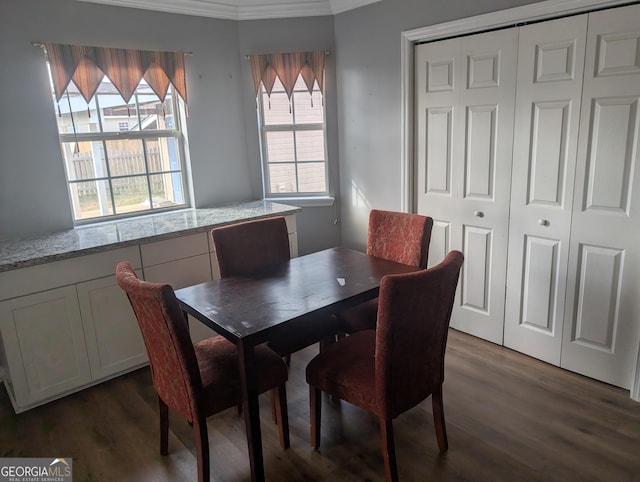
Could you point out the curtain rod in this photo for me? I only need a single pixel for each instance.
(248, 57)
(39, 44)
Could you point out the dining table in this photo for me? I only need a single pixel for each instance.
(293, 298)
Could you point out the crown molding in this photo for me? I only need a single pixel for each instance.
(205, 8)
(339, 6)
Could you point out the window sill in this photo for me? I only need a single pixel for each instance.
(310, 201)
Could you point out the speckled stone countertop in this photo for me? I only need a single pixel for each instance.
(95, 238)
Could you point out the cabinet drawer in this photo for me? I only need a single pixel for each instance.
(33, 279)
(175, 248)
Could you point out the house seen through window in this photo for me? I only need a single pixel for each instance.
(293, 141)
(121, 158)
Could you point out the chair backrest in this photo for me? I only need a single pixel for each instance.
(414, 310)
(400, 237)
(174, 367)
(252, 246)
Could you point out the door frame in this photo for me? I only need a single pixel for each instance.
(544, 10)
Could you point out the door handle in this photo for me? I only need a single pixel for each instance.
(478, 214)
(543, 222)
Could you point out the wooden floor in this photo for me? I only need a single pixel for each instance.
(509, 417)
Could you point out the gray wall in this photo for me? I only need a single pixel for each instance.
(363, 103)
(368, 46)
(33, 193)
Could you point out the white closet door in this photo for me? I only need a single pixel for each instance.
(603, 307)
(549, 86)
(465, 91)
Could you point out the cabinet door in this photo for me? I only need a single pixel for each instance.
(549, 87)
(465, 91)
(114, 342)
(44, 345)
(180, 274)
(603, 307)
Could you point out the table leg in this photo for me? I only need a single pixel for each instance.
(251, 411)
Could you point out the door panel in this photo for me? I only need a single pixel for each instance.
(602, 313)
(465, 92)
(550, 71)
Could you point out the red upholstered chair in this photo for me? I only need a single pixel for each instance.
(391, 369)
(248, 248)
(400, 237)
(194, 380)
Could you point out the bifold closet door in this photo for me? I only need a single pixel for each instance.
(602, 316)
(465, 95)
(549, 86)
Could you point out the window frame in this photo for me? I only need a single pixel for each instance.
(177, 133)
(263, 128)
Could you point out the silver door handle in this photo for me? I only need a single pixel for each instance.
(478, 214)
(543, 222)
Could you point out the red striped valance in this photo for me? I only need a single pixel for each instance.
(287, 67)
(86, 66)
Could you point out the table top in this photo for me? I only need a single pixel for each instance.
(253, 309)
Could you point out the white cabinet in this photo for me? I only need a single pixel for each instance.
(66, 325)
(113, 339)
(44, 346)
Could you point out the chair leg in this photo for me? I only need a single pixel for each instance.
(164, 426)
(388, 450)
(315, 413)
(202, 449)
(274, 405)
(280, 394)
(438, 419)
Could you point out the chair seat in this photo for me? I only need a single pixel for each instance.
(218, 362)
(360, 317)
(346, 369)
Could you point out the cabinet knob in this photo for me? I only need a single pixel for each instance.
(478, 214)
(543, 222)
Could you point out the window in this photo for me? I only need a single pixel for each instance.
(119, 127)
(293, 141)
(121, 158)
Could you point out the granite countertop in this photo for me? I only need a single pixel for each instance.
(95, 238)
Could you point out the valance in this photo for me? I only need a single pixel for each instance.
(125, 68)
(287, 67)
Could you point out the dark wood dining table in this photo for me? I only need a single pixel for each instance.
(293, 298)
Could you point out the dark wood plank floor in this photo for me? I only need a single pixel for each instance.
(509, 417)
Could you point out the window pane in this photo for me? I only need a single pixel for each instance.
(312, 177)
(131, 194)
(276, 110)
(162, 154)
(167, 190)
(116, 115)
(306, 113)
(310, 145)
(90, 199)
(155, 115)
(279, 146)
(282, 178)
(73, 110)
(126, 157)
(84, 160)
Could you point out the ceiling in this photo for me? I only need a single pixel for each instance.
(243, 9)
